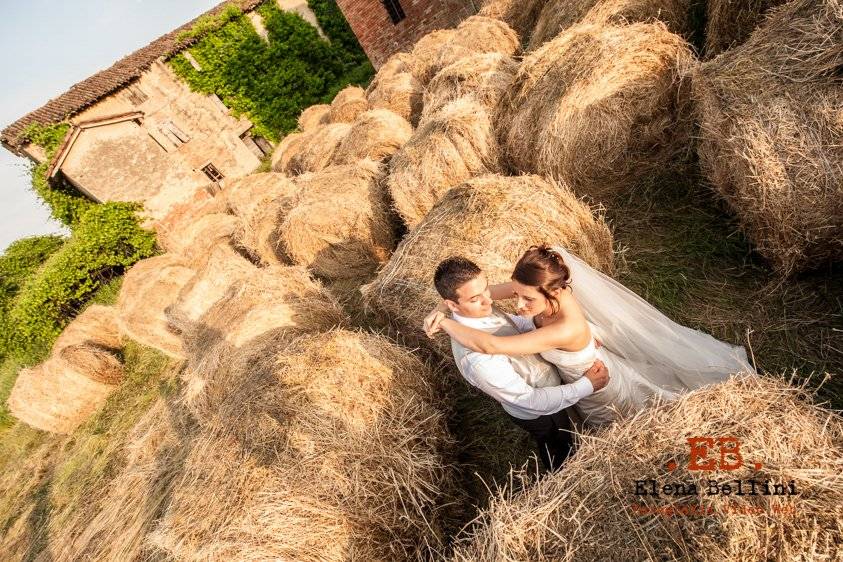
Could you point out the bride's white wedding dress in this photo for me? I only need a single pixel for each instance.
(648, 356)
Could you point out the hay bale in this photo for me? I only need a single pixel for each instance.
(315, 149)
(314, 116)
(58, 396)
(520, 15)
(347, 105)
(94, 362)
(395, 88)
(559, 15)
(197, 239)
(449, 147)
(286, 150)
(729, 23)
(477, 35)
(589, 511)
(484, 77)
(423, 60)
(492, 220)
(244, 195)
(599, 107)
(327, 448)
(340, 225)
(376, 134)
(150, 286)
(771, 129)
(96, 325)
(182, 218)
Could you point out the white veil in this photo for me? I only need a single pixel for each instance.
(669, 355)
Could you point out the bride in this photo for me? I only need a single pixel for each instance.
(572, 315)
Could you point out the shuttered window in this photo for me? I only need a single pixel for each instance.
(394, 9)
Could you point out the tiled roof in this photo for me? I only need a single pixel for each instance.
(105, 82)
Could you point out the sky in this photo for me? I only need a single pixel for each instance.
(47, 47)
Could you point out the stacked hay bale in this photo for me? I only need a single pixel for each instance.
(485, 77)
(476, 35)
(772, 133)
(314, 116)
(339, 225)
(348, 104)
(181, 218)
(328, 447)
(423, 60)
(451, 146)
(728, 23)
(149, 287)
(492, 220)
(313, 150)
(395, 88)
(520, 15)
(559, 15)
(193, 242)
(285, 151)
(81, 372)
(599, 107)
(376, 134)
(590, 510)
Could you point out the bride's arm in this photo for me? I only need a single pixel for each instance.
(535, 341)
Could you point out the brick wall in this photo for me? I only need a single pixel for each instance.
(380, 38)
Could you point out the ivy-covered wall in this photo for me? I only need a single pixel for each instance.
(273, 80)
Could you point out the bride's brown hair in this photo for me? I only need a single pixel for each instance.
(543, 268)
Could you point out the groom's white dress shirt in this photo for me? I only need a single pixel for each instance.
(496, 375)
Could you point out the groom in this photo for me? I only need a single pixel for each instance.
(528, 387)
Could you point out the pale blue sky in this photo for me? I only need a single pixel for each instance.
(49, 46)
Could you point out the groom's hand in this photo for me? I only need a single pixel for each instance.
(431, 322)
(598, 374)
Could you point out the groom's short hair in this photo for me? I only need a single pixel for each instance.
(452, 273)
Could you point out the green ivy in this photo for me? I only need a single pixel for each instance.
(333, 23)
(209, 23)
(272, 81)
(104, 243)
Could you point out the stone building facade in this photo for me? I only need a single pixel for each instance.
(384, 27)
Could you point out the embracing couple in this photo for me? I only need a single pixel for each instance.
(580, 340)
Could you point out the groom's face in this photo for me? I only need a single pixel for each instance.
(475, 300)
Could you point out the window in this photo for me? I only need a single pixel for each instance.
(394, 9)
(135, 94)
(173, 134)
(256, 144)
(211, 171)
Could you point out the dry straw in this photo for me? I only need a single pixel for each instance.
(181, 219)
(314, 116)
(559, 15)
(150, 286)
(395, 88)
(520, 15)
(484, 77)
(340, 225)
(477, 35)
(491, 220)
(376, 134)
(599, 107)
(772, 133)
(329, 448)
(198, 238)
(449, 147)
(729, 23)
(347, 105)
(423, 60)
(96, 325)
(314, 150)
(589, 510)
(285, 151)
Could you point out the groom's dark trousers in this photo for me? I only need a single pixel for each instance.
(553, 436)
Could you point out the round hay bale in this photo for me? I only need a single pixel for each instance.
(423, 59)
(328, 448)
(244, 195)
(559, 15)
(395, 88)
(57, 396)
(376, 134)
(728, 23)
(314, 116)
(182, 217)
(198, 239)
(477, 35)
(150, 286)
(95, 362)
(520, 15)
(96, 325)
(491, 220)
(485, 77)
(599, 107)
(340, 225)
(771, 134)
(347, 105)
(449, 147)
(286, 150)
(316, 148)
(590, 509)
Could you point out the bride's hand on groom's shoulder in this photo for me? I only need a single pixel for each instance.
(431, 322)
